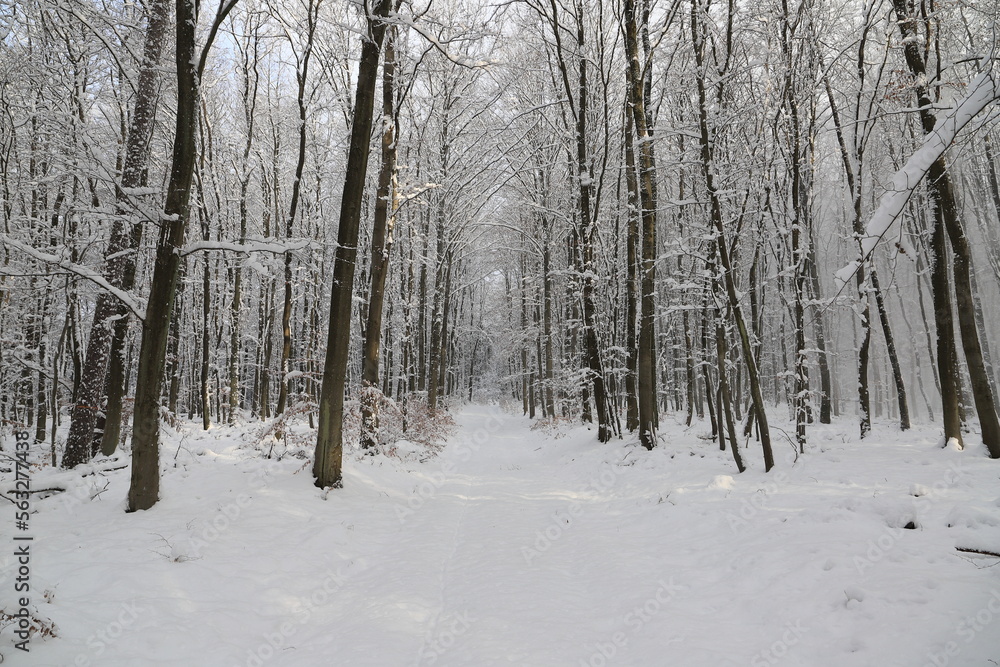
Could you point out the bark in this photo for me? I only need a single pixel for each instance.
(725, 400)
(819, 329)
(442, 385)
(437, 322)
(421, 384)
(549, 370)
(206, 313)
(302, 77)
(586, 229)
(646, 361)
(890, 344)
(689, 373)
(799, 223)
(631, 278)
(525, 388)
(173, 349)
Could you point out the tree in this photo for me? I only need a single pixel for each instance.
(144, 489)
(301, 77)
(329, 438)
(646, 361)
(386, 203)
(721, 243)
(586, 229)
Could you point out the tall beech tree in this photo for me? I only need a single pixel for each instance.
(330, 433)
(646, 355)
(585, 234)
(144, 489)
(386, 203)
(700, 35)
(303, 54)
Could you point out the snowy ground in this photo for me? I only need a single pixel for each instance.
(514, 547)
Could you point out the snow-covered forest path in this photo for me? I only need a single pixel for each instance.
(515, 547)
(490, 562)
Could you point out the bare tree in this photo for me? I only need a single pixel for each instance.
(144, 489)
(329, 440)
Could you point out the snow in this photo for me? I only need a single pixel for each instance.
(846, 274)
(515, 547)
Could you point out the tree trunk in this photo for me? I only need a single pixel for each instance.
(548, 379)
(329, 440)
(646, 361)
(729, 282)
(437, 321)
(145, 480)
(206, 313)
(725, 400)
(890, 344)
(819, 329)
(382, 229)
(301, 76)
(631, 278)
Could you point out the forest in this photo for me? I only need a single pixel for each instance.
(325, 229)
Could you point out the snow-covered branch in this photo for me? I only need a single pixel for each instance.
(277, 248)
(136, 306)
(983, 91)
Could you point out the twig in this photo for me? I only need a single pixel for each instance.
(97, 472)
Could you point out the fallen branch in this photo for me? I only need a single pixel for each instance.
(56, 489)
(981, 552)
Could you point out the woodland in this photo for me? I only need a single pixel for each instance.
(351, 217)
